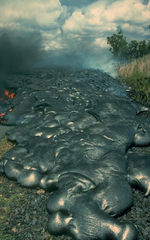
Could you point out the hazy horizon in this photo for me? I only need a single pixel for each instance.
(71, 32)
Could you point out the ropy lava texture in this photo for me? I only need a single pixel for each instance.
(74, 133)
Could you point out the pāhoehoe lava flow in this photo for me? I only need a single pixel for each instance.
(74, 134)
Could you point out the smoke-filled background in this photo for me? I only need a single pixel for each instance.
(67, 32)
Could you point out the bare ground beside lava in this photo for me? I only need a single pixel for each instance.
(19, 208)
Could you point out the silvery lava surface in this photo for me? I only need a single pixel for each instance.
(74, 130)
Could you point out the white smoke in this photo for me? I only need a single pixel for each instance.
(74, 32)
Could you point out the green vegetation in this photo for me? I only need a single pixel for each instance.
(134, 69)
(137, 75)
(7, 200)
(126, 50)
(10, 198)
(5, 145)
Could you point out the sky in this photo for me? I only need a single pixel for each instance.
(72, 32)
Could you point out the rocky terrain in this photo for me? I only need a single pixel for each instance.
(57, 114)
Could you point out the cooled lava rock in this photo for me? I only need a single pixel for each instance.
(74, 131)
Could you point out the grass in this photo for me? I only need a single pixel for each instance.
(137, 76)
(8, 202)
(7, 199)
(5, 145)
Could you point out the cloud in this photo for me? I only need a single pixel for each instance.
(40, 12)
(128, 10)
(87, 28)
(104, 17)
(31, 16)
(24, 31)
(73, 32)
(76, 19)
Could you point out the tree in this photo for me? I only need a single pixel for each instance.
(124, 50)
(119, 45)
(133, 49)
(143, 48)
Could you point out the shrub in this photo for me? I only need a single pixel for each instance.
(137, 76)
(127, 50)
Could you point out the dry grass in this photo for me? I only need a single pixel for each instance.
(140, 65)
(137, 76)
(5, 146)
(5, 203)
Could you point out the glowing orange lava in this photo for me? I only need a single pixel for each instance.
(2, 114)
(10, 95)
